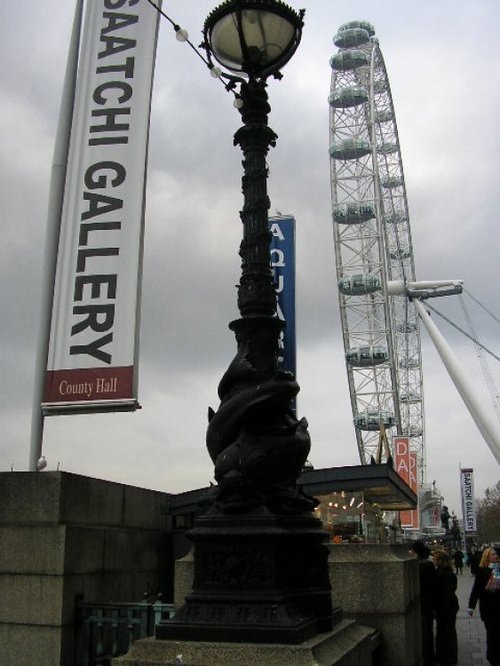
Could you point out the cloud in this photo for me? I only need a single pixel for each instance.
(441, 60)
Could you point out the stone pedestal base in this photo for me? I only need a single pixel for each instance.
(349, 644)
(258, 579)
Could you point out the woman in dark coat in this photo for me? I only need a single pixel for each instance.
(445, 608)
(458, 558)
(427, 578)
(486, 589)
(474, 559)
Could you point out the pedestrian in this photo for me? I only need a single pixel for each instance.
(427, 579)
(446, 607)
(474, 559)
(486, 589)
(458, 558)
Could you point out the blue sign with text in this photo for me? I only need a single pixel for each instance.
(283, 265)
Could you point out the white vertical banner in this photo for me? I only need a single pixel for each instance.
(92, 356)
(468, 501)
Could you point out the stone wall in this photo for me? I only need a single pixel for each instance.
(65, 537)
(377, 585)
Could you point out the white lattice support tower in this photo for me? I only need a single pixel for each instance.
(373, 246)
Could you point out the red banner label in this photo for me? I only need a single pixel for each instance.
(88, 385)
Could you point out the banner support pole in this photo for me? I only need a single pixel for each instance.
(56, 196)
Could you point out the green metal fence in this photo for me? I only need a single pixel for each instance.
(104, 631)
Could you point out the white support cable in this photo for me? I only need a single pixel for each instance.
(482, 306)
(488, 377)
(459, 378)
(475, 340)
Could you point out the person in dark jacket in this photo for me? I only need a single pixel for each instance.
(486, 589)
(427, 577)
(474, 557)
(446, 607)
(458, 559)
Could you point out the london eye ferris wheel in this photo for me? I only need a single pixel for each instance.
(373, 250)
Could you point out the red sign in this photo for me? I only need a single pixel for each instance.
(93, 385)
(405, 462)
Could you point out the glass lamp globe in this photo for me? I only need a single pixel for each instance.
(253, 37)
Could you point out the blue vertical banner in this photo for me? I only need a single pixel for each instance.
(282, 229)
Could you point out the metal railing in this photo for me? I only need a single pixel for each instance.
(104, 631)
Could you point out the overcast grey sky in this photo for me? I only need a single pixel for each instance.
(442, 60)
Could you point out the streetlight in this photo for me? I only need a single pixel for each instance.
(260, 564)
(258, 446)
(253, 37)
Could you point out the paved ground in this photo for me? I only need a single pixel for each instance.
(470, 631)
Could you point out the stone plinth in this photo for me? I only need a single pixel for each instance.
(377, 585)
(349, 644)
(258, 578)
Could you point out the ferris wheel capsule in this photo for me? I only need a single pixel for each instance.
(351, 37)
(371, 421)
(349, 60)
(357, 285)
(350, 149)
(348, 96)
(353, 212)
(365, 25)
(364, 357)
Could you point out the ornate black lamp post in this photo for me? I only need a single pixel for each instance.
(256, 443)
(260, 563)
